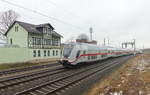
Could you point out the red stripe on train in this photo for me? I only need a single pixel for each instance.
(96, 54)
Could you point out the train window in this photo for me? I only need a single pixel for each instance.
(78, 53)
(99, 51)
(104, 56)
(89, 57)
(67, 50)
(95, 56)
(84, 52)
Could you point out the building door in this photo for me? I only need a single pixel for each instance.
(11, 41)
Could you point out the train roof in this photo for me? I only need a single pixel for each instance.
(87, 46)
(96, 47)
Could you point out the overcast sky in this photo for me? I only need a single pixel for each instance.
(117, 20)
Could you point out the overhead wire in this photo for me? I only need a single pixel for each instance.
(44, 15)
(63, 9)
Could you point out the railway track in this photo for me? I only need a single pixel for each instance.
(50, 81)
(52, 87)
(24, 69)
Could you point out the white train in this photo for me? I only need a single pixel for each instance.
(77, 53)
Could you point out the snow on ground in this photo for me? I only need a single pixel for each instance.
(143, 64)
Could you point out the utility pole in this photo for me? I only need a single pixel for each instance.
(132, 43)
(134, 40)
(91, 31)
(104, 41)
(108, 41)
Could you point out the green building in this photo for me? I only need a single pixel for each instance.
(28, 42)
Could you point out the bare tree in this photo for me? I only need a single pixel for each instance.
(7, 18)
(83, 38)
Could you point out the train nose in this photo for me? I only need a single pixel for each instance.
(65, 63)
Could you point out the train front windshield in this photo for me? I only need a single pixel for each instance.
(67, 50)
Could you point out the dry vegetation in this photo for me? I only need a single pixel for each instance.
(133, 78)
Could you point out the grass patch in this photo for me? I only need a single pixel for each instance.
(17, 65)
(25, 64)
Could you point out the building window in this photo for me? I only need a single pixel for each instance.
(53, 53)
(53, 42)
(16, 28)
(44, 52)
(33, 41)
(48, 53)
(46, 30)
(49, 31)
(39, 53)
(11, 41)
(57, 41)
(44, 41)
(56, 52)
(49, 42)
(39, 41)
(34, 53)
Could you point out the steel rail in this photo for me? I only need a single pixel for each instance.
(77, 74)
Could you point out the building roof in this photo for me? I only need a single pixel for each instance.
(29, 27)
(42, 25)
(32, 28)
(54, 33)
